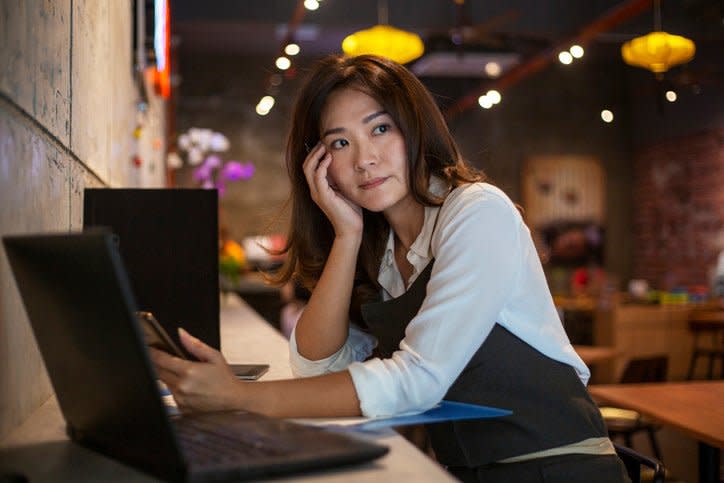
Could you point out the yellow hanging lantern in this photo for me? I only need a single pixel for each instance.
(658, 51)
(386, 41)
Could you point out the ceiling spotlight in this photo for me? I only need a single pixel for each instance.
(565, 58)
(576, 51)
(283, 63)
(311, 4)
(671, 96)
(485, 102)
(291, 49)
(265, 105)
(607, 115)
(494, 96)
(493, 69)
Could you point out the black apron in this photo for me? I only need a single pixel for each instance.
(551, 407)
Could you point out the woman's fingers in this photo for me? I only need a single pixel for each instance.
(167, 362)
(311, 166)
(200, 350)
(169, 378)
(320, 175)
(312, 160)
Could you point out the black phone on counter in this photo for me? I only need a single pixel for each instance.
(249, 372)
(156, 337)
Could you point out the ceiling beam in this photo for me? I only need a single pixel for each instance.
(536, 63)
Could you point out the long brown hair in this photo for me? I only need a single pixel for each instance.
(430, 148)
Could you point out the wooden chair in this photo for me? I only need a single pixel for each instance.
(707, 324)
(634, 460)
(625, 422)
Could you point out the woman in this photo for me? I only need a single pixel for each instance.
(439, 277)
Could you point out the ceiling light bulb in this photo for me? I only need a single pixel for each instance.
(485, 102)
(283, 63)
(265, 105)
(565, 58)
(671, 96)
(492, 69)
(607, 115)
(311, 4)
(291, 49)
(576, 51)
(494, 96)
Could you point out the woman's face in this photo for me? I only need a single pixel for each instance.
(369, 159)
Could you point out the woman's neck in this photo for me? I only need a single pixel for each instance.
(406, 221)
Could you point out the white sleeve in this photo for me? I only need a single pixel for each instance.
(358, 347)
(477, 249)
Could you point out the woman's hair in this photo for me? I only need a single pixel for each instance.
(430, 150)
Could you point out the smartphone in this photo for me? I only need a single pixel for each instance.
(249, 372)
(156, 337)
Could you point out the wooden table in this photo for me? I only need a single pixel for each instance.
(694, 408)
(592, 354)
(40, 449)
(711, 315)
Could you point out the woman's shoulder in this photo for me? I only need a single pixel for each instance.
(483, 195)
(474, 212)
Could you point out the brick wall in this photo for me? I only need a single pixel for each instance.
(679, 209)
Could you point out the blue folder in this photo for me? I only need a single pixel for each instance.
(445, 411)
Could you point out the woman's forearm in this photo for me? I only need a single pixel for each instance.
(323, 326)
(300, 398)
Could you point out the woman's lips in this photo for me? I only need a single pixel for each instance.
(373, 183)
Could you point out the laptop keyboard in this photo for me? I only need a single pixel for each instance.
(204, 440)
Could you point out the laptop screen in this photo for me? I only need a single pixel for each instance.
(77, 296)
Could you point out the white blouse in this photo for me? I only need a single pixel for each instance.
(486, 270)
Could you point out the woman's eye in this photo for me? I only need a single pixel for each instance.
(338, 143)
(382, 128)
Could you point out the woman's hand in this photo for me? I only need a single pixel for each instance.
(345, 216)
(208, 385)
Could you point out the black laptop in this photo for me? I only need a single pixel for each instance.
(80, 305)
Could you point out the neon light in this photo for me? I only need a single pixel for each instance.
(161, 45)
(159, 33)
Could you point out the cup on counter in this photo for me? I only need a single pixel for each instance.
(638, 288)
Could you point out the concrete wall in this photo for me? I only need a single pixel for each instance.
(68, 108)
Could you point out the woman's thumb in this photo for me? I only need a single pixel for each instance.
(197, 348)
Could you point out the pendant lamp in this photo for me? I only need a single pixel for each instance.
(658, 50)
(384, 40)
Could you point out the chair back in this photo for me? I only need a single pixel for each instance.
(646, 369)
(633, 460)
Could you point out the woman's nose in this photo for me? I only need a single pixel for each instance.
(366, 156)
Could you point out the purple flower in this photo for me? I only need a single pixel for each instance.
(213, 161)
(208, 184)
(202, 173)
(234, 170)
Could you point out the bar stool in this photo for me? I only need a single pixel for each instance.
(707, 325)
(624, 422)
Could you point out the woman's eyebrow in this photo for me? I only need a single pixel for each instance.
(372, 116)
(365, 120)
(334, 130)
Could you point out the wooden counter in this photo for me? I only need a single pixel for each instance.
(640, 330)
